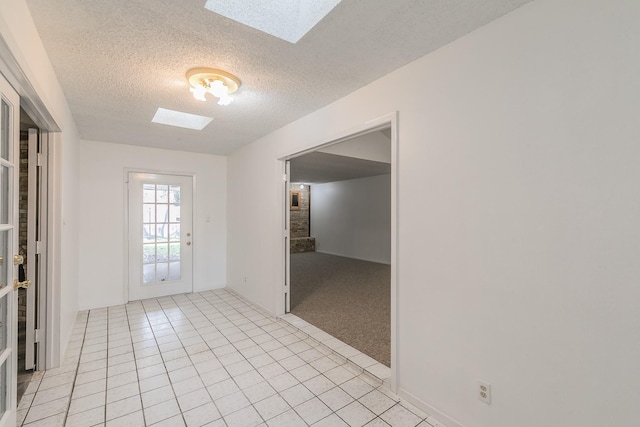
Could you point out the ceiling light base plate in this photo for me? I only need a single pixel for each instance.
(202, 76)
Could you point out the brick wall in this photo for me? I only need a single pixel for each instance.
(300, 225)
(300, 218)
(22, 212)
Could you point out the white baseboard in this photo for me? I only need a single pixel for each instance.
(436, 417)
(246, 298)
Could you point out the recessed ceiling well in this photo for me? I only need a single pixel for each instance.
(288, 20)
(180, 119)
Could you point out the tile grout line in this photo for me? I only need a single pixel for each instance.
(75, 377)
(135, 362)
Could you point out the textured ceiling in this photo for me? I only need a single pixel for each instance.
(119, 60)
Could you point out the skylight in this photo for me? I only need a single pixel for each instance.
(289, 20)
(180, 119)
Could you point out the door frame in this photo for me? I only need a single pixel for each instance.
(386, 121)
(37, 110)
(37, 242)
(125, 242)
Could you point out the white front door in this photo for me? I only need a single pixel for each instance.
(9, 154)
(160, 235)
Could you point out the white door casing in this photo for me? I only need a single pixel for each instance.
(37, 241)
(386, 121)
(9, 161)
(287, 239)
(160, 235)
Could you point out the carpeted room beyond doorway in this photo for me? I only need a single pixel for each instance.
(347, 298)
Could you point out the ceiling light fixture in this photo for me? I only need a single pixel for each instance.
(216, 82)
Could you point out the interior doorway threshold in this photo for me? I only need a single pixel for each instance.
(353, 356)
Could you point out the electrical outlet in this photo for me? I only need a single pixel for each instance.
(484, 392)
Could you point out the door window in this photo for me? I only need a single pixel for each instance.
(160, 233)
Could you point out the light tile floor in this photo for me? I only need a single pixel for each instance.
(353, 355)
(205, 359)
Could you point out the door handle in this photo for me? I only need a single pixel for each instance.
(188, 243)
(21, 281)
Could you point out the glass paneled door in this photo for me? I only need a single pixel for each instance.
(160, 235)
(9, 152)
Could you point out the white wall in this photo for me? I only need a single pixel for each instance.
(352, 218)
(19, 32)
(519, 216)
(102, 216)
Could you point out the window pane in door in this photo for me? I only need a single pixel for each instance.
(174, 194)
(3, 323)
(174, 232)
(5, 264)
(149, 273)
(3, 389)
(148, 213)
(163, 213)
(5, 119)
(162, 252)
(174, 251)
(4, 194)
(175, 213)
(148, 253)
(148, 193)
(162, 272)
(161, 233)
(162, 193)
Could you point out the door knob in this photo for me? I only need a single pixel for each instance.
(188, 243)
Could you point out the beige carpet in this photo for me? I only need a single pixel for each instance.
(347, 298)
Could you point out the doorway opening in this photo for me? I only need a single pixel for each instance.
(32, 247)
(339, 254)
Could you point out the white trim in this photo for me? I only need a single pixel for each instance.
(434, 413)
(9, 288)
(287, 237)
(372, 125)
(29, 99)
(54, 249)
(369, 126)
(246, 298)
